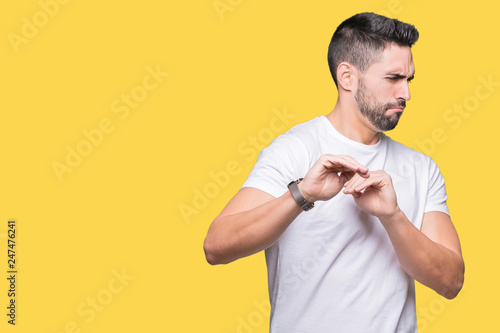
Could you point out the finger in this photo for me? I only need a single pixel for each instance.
(345, 176)
(355, 165)
(351, 181)
(357, 195)
(375, 181)
(342, 163)
(357, 184)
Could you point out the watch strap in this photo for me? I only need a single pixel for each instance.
(297, 195)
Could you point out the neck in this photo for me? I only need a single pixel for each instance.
(349, 122)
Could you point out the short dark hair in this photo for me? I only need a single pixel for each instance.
(361, 39)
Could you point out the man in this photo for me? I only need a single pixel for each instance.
(345, 243)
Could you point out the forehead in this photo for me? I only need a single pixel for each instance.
(394, 59)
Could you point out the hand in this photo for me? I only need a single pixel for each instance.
(375, 195)
(328, 175)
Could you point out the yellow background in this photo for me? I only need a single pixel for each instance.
(119, 209)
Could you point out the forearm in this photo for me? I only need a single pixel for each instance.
(238, 235)
(428, 262)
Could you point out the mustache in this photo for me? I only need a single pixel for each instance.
(397, 104)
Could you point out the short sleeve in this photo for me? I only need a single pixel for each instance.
(436, 194)
(284, 160)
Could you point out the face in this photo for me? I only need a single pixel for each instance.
(383, 89)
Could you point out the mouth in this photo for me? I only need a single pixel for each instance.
(397, 107)
(395, 112)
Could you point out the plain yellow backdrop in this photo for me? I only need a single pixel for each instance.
(127, 126)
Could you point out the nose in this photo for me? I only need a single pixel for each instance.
(404, 91)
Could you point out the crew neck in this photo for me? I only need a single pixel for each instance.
(338, 135)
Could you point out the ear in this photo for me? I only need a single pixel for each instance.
(346, 76)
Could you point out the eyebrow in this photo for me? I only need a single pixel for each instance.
(401, 76)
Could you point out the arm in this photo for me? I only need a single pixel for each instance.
(254, 220)
(431, 255)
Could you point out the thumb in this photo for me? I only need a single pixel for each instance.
(345, 177)
(357, 195)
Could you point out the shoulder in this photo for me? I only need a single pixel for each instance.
(306, 134)
(288, 157)
(295, 143)
(295, 149)
(307, 129)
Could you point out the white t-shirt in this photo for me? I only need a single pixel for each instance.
(334, 268)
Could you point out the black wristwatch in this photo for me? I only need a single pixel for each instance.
(297, 195)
